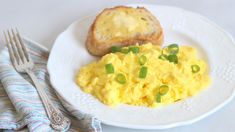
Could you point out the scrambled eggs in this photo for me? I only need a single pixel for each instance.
(183, 77)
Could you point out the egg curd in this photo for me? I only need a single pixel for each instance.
(145, 75)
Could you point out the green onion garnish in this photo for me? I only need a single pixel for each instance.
(195, 68)
(134, 49)
(115, 49)
(142, 59)
(109, 68)
(125, 50)
(143, 72)
(158, 98)
(173, 49)
(163, 89)
(120, 78)
(162, 57)
(172, 58)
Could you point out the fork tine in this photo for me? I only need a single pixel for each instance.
(18, 45)
(12, 56)
(14, 49)
(22, 45)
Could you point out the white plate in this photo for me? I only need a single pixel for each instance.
(183, 27)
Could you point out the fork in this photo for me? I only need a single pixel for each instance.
(23, 63)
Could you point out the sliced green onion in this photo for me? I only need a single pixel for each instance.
(158, 98)
(173, 49)
(143, 72)
(142, 59)
(115, 49)
(195, 68)
(134, 49)
(120, 78)
(163, 89)
(109, 68)
(125, 50)
(172, 58)
(162, 57)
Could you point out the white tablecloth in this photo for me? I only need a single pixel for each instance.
(43, 20)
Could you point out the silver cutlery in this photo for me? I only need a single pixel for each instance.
(24, 64)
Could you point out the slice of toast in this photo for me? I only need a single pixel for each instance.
(122, 26)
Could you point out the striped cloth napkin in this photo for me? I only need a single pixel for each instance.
(20, 105)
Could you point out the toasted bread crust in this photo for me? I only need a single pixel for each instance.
(99, 48)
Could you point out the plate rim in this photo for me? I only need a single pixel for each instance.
(164, 126)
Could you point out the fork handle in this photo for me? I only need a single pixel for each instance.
(58, 120)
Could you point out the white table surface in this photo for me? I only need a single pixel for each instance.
(43, 20)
